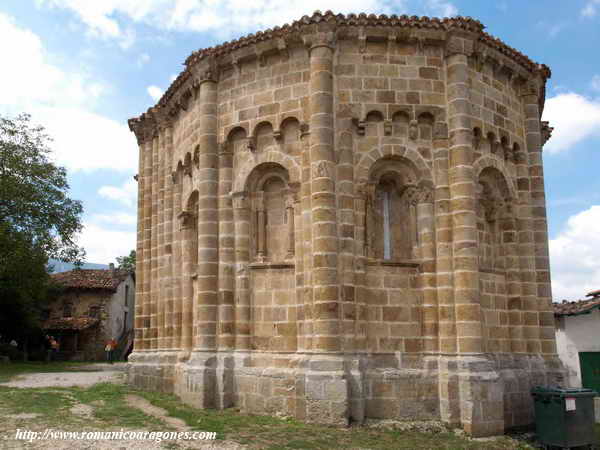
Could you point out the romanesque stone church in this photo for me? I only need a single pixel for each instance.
(344, 219)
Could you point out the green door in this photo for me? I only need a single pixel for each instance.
(590, 370)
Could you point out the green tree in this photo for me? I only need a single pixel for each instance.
(38, 220)
(127, 262)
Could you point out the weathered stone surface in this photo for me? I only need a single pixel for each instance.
(355, 228)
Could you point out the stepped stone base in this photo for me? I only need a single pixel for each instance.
(483, 395)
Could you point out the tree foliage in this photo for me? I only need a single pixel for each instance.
(127, 262)
(38, 220)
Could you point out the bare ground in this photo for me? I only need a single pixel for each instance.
(85, 414)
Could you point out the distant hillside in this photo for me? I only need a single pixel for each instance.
(61, 266)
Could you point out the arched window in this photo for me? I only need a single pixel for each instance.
(492, 195)
(392, 215)
(272, 223)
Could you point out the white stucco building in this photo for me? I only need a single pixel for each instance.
(578, 340)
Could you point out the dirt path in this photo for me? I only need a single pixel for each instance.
(85, 376)
(65, 379)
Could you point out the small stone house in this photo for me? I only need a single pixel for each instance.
(95, 306)
(578, 340)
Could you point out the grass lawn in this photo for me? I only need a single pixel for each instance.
(109, 411)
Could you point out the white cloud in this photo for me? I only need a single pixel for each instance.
(62, 101)
(574, 118)
(31, 79)
(440, 8)
(118, 218)
(143, 59)
(574, 256)
(125, 194)
(590, 9)
(225, 18)
(155, 92)
(103, 245)
(595, 83)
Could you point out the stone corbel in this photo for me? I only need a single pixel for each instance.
(360, 126)
(387, 127)
(184, 99)
(262, 59)
(283, 48)
(362, 40)
(251, 143)
(546, 130)
(277, 135)
(413, 130)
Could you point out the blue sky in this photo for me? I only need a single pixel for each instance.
(83, 67)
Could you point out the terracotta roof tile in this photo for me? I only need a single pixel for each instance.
(91, 278)
(567, 308)
(341, 20)
(69, 323)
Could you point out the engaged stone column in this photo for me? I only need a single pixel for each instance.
(426, 246)
(540, 338)
(147, 250)
(177, 260)
(462, 204)
(161, 302)
(326, 337)
(208, 226)
(154, 285)
(480, 395)
(226, 250)
(188, 230)
(168, 241)
(241, 220)
(326, 389)
(139, 263)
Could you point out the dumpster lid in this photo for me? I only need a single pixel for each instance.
(562, 391)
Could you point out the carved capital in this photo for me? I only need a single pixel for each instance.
(187, 219)
(320, 39)
(239, 199)
(425, 194)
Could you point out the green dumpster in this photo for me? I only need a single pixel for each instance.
(564, 417)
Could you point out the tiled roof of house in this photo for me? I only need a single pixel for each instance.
(341, 20)
(69, 323)
(91, 278)
(567, 308)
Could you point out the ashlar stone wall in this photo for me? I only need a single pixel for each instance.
(344, 219)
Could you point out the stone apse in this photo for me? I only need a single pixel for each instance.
(344, 219)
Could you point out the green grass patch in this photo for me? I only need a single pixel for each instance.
(111, 408)
(111, 411)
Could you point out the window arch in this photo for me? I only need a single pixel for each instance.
(492, 197)
(272, 214)
(391, 213)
